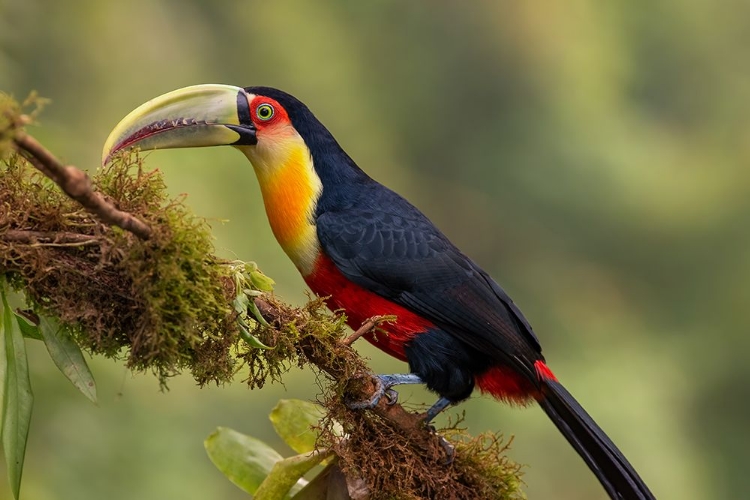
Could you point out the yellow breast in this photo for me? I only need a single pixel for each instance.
(290, 189)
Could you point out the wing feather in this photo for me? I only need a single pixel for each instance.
(406, 259)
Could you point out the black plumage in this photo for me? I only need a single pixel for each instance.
(382, 243)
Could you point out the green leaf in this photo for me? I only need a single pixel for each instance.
(18, 399)
(246, 461)
(67, 356)
(286, 476)
(28, 329)
(317, 488)
(250, 338)
(5, 325)
(293, 420)
(256, 312)
(240, 303)
(330, 484)
(261, 281)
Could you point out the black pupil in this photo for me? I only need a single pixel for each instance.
(265, 111)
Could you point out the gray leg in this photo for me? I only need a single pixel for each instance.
(385, 382)
(440, 405)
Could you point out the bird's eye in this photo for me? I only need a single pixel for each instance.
(264, 112)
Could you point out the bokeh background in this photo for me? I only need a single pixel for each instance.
(592, 156)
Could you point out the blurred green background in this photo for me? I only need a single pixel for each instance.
(592, 156)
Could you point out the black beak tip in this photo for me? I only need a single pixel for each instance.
(246, 133)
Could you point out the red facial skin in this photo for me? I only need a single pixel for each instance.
(279, 116)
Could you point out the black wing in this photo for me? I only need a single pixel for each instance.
(406, 259)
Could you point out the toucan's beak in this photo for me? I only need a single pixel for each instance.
(201, 115)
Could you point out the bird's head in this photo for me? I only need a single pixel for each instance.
(264, 123)
(291, 151)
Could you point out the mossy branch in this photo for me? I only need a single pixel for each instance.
(344, 366)
(170, 305)
(76, 184)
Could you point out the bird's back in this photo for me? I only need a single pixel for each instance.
(383, 243)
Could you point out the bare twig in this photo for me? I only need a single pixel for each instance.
(40, 238)
(76, 184)
(367, 327)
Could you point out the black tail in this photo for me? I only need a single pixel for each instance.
(601, 455)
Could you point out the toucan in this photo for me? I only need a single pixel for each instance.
(370, 252)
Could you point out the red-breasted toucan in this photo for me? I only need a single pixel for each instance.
(371, 253)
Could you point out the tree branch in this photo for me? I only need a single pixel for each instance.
(411, 424)
(76, 184)
(367, 327)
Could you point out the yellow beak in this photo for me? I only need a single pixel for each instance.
(201, 115)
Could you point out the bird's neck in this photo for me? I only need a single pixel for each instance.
(290, 189)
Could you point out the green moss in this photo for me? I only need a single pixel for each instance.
(294, 327)
(12, 117)
(9, 113)
(484, 463)
(164, 300)
(164, 304)
(185, 318)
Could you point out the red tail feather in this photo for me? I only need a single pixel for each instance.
(543, 371)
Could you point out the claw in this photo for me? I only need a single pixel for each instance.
(450, 450)
(430, 414)
(372, 402)
(392, 397)
(385, 382)
(384, 388)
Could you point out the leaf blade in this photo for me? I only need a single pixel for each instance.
(18, 399)
(293, 420)
(67, 356)
(261, 282)
(285, 478)
(29, 330)
(245, 460)
(5, 325)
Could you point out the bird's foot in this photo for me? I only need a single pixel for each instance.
(385, 384)
(440, 405)
(384, 388)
